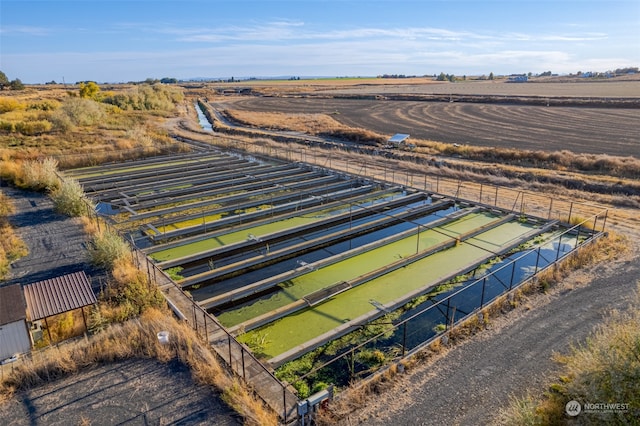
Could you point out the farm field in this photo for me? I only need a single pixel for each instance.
(612, 131)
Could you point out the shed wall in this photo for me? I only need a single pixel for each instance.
(14, 338)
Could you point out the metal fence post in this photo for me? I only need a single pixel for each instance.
(244, 377)
(206, 333)
(559, 245)
(284, 403)
(513, 273)
(195, 318)
(446, 324)
(404, 339)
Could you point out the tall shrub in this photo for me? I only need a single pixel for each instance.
(106, 249)
(68, 198)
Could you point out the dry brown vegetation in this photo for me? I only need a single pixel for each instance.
(41, 122)
(604, 369)
(137, 338)
(11, 246)
(315, 124)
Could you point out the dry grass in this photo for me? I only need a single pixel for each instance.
(315, 124)
(11, 246)
(605, 369)
(36, 175)
(79, 131)
(138, 339)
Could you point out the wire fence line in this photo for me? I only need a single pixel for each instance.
(368, 163)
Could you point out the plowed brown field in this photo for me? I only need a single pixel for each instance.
(613, 131)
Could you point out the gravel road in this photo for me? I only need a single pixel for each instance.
(57, 243)
(131, 392)
(476, 379)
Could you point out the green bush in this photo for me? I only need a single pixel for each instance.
(7, 126)
(68, 198)
(106, 249)
(34, 127)
(157, 97)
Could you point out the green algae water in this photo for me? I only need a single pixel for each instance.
(90, 173)
(285, 334)
(264, 229)
(353, 267)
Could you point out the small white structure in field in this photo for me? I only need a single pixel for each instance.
(399, 141)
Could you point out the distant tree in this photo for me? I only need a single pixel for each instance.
(168, 80)
(90, 90)
(442, 77)
(4, 80)
(16, 84)
(491, 76)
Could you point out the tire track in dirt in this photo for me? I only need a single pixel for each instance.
(582, 130)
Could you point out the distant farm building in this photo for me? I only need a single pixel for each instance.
(518, 78)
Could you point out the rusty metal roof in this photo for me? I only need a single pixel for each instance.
(58, 295)
(12, 305)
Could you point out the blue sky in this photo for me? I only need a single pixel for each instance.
(119, 41)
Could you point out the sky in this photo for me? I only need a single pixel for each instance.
(124, 40)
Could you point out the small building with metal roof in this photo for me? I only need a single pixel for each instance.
(14, 333)
(59, 295)
(399, 141)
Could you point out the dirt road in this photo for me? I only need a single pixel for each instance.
(132, 392)
(57, 243)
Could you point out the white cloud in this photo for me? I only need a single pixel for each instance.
(24, 30)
